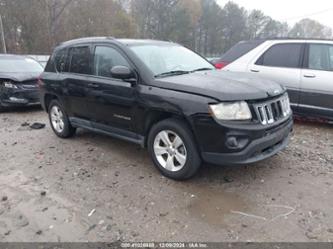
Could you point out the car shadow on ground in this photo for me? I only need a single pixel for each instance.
(207, 173)
(21, 109)
(218, 174)
(313, 123)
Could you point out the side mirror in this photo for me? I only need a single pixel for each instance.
(122, 72)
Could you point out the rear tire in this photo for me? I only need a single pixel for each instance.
(59, 120)
(2, 108)
(173, 149)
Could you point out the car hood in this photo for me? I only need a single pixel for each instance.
(221, 85)
(19, 77)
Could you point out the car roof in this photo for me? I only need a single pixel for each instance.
(289, 39)
(127, 42)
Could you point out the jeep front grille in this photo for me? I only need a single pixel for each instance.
(271, 111)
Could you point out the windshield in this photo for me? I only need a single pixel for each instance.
(162, 59)
(18, 65)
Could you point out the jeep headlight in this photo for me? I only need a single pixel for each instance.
(8, 84)
(231, 111)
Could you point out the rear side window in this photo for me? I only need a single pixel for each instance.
(282, 55)
(321, 57)
(239, 50)
(60, 60)
(80, 60)
(105, 59)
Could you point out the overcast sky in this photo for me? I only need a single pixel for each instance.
(291, 11)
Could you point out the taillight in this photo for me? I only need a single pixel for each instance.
(220, 65)
(39, 81)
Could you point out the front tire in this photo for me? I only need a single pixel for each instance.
(59, 120)
(173, 150)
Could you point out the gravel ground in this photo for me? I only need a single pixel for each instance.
(96, 188)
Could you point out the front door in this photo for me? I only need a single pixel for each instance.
(111, 101)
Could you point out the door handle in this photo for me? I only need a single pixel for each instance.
(255, 70)
(93, 85)
(309, 75)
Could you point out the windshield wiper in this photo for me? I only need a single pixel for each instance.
(202, 69)
(180, 72)
(171, 73)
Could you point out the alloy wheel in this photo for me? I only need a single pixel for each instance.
(170, 150)
(57, 119)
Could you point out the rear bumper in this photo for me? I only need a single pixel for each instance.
(19, 97)
(257, 150)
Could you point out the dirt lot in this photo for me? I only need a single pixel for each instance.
(98, 188)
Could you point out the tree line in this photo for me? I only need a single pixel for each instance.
(37, 26)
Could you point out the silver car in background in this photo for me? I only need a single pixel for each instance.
(304, 67)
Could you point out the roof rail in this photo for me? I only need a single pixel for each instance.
(87, 39)
(293, 38)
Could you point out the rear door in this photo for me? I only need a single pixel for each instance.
(282, 63)
(316, 95)
(77, 81)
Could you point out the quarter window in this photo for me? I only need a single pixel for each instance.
(321, 57)
(282, 55)
(80, 60)
(105, 59)
(60, 60)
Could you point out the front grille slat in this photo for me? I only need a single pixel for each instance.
(274, 110)
(263, 116)
(270, 114)
(278, 110)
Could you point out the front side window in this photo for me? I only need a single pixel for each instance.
(321, 57)
(80, 60)
(282, 55)
(169, 57)
(105, 59)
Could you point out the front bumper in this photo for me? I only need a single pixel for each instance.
(19, 97)
(269, 144)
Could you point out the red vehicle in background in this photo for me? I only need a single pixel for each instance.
(236, 52)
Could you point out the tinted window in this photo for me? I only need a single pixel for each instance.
(239, 50)
(105, 59)
(282, 55)
(80, 60)
(60, 60)
(321, 57)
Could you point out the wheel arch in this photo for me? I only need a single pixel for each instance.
(154, 117)
(47, 100)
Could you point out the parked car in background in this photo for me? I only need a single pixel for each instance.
(41, 59)
(18, 81)
(212, 59)
(166, 98)
(235, 52)
(304, 67)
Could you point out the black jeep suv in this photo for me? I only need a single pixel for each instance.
(167, 98)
